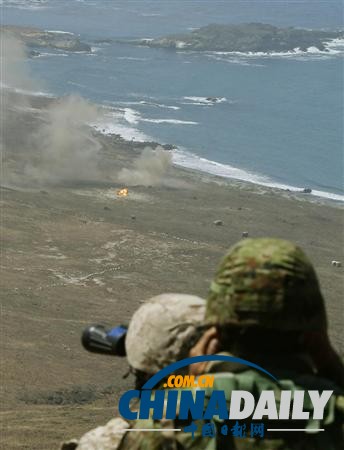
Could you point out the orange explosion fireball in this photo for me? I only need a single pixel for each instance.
(122, 192)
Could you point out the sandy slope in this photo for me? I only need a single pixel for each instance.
(73, 255)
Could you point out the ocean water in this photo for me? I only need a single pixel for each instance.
(278, 120)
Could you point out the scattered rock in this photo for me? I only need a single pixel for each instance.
(169, 147)
(244, 234)
(34, 54)
(70, 445)
(212, 99)
(307, 191)
(336, 263)
(106, 208)
(133, 217)
(218, 223)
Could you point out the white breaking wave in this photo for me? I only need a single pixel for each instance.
(47, 55)
(25, 4)
(171, 121)
(144, 102)
(26, 91)
(332, 48)
(336, 45)
(131, 58)
(192, 161)
(131, 116)
(204, 101)
(234, 59)
(115, 122)
(124, 121)
(134, 117)
(127, 133)
(59, 32)
(151, 15)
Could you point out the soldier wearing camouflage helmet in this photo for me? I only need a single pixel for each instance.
(161, 331)
(266, 306)
(270, 285)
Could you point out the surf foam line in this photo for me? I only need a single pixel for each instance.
(170, 121)
(27, 91)
(332, 48)
(126, 132)
(59, 32)
(146, 103)
(191, 161)
(204, 101)
(25, 4)
(124, 121)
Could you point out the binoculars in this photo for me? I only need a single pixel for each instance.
(98, 339)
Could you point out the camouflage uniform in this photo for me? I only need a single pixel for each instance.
(269, 284)
(160, 332)
(266, 282)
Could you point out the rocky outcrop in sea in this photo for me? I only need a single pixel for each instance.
(251, 37)
(36, 38)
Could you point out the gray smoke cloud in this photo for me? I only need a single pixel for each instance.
(65, 147)
(148, 169)
(14, 70)
(50, 143)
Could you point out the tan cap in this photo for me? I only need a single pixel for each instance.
(162, 330)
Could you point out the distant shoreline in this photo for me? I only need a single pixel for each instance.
(289, 191)
(43, 99)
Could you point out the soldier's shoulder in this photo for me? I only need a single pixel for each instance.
(107, 437)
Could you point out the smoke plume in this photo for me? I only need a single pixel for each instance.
(148, 169)
(14, 70)
(65, 148)
(44, 140)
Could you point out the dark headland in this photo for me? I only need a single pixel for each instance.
(251, 37)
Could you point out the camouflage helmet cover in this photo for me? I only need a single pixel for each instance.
(162, 329)
(266, 282)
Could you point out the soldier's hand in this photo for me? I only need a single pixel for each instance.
(207, 345)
